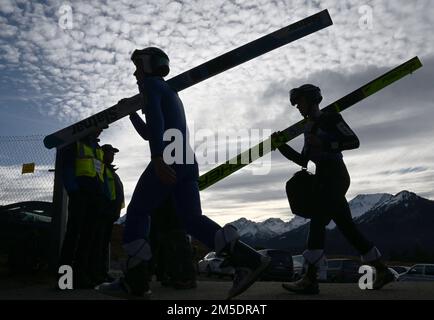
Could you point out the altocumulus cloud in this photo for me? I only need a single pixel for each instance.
(68, 74)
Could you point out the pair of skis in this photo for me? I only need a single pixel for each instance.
(193, 76)
(259, 150)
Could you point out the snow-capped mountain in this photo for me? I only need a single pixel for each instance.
(363, 203)
(400, 199)
(400, 226)
(274, 226)
(268, 228)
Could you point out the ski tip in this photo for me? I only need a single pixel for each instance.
(417, 61)
(51, 141)
(413, 64)
(47, 143)
(325, 17)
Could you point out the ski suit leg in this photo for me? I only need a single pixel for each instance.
(187, 205)
(316, 235)
(346, 225)
(335, 183)
(148, 195)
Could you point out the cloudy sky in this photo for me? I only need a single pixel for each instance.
(63, 61)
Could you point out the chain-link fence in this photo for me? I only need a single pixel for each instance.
(32, 182)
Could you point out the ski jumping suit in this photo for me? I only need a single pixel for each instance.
(333, 182)
(164, 110)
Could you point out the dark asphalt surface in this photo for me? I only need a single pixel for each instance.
(217, 290)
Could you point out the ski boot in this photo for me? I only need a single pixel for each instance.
(383, 275)
(308, 284)
(134, 285)
(248, 263)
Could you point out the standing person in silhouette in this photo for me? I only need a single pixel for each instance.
(326, 136)
(83, 178)
(176, 179)
(112, 206)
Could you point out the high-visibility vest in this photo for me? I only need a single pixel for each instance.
(89, 162)
(110, 182)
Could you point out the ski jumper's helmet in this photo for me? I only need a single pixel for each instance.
(158, 62)
(309, 91)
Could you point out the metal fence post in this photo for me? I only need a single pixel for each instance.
(60, 213)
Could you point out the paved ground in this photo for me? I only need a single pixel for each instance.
(216, 290)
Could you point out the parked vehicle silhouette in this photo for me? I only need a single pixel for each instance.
(25, 235)
(419, 272)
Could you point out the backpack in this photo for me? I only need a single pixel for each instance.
(302, 194)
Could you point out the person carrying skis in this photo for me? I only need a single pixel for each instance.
(164, 110)
(326, 136)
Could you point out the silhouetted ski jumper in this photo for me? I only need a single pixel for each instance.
(326, 136)
(177, 181)
(333, 178)
(164, 110)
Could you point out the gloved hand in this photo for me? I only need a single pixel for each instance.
(275, 138)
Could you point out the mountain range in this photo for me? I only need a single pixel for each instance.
(400, 225)
(273, 227)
